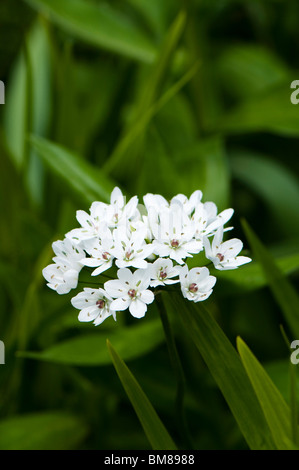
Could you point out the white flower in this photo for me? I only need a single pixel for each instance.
(100, 252)
(94, 305)
(207, 221)
(130, 248)
(112, 215)
(189, 205)
(90, 223)
(224, 254)
(130, 291)
(62, 276)
(162, 271)
(155, 201)
(196, 284)
(118, 212)
(173, 233)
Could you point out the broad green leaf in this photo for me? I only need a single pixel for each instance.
(262, 174)
(270, 112)
(87, 181)
(42, 431)
(99, 25)
(282, 290)
(275, 409)
(227, 370)
(246, 69)
(90, 349)
(150, 421)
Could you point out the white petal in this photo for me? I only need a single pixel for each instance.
(117, 197)
(147, 296)
(137, 308)
(88, 313)
(120, 304)
(106, 265)
(115, 288)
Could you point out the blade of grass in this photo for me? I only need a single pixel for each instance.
(282, 290)
(179, 372)
(131, 136)
(276, 411)
(150, 421)
(293, 394)
(227, 370)
(150, 93)
(79, 175)
(100, 26)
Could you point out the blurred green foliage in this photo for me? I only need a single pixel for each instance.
(154, 96)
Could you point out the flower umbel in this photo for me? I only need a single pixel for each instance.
(149, 245)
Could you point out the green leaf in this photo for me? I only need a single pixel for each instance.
(42, 431)
(271, 112)
(247, 69)
(279, 372)
(276, 411)
(262, 174)
(127, 151)
(282, 290)
(87, 181)
(204, 166)
(90, 349)
(150, 421)
(99, 25)
(28, 107)
(226, 369)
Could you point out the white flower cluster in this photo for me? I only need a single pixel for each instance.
(149, 244)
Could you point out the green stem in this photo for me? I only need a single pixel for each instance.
(178, 369)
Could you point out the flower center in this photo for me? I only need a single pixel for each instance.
(174, 243)
(128, 254)
(193, 288)
(220, 256)
(100, 303)
(106, 255)
(132, 293)
(163, 274)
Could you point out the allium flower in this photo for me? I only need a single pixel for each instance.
(149, 245)
(189, 205)
(162, 271)
(130, 249)
(90, 223)
(206, 220)
(62, 276)
(130, 291)
(113, 215)
(224, 254)
(94, 305)
(99, 250)
(174, 233)
(118, 212)
(196, 284)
